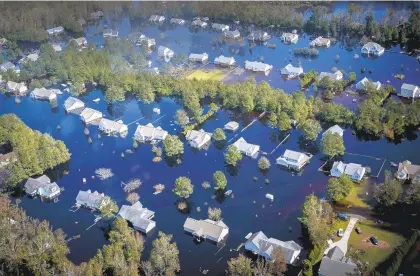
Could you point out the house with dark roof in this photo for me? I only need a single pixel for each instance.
(42, 186)
(263, 246)
(138, 216)
(206, 229)
(408, 171)
(336, 264)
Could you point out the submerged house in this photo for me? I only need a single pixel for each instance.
(245, 148)
(110, 33)
(199, 57)
(337, 75)
(165, 52)
(220, 27)
(80, 42)
(409, 91)
(336, 264)
(55, 31)
(334, 129)
(293, 159)
(31, 57)
(199, 23)
(289, 38)
(259, 36)
(232, 34)
(408, 171)
(291, 72)
(362, 85)
(177, 21)
(232, 126)
(224, 61)
(72, 104)
(206, 229)
(43, 94)
(257, 66)
(90, 115)
(139, 217)
(372, 48)
(113, 127)
(42, 186)
(354, 171)
(7, 66)
(149, 133)
(91, 200)
(156, 18)
(18, 88)
(259, 244)
(320, 42)
(198, 139)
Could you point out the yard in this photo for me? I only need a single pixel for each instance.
(200, 74)
(355, 198)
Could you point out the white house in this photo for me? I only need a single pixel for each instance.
(42, 186)
(199, 23)
(206, 229)
(232, 34)
(165, 52)
(334, 129)
(199, 57)
(178, 21)
(289, 38)
(72, 104)
(220, 27)
(291, 71)
(232, 126)
(224, 61)
(372, 48)
(257, 66)
(156, 18)
(19, 88)
(149, 133)
(198, 139)
(245, 148)
(31, 57)
(113, 127)
(408, 171)
(293, 159)
(91, 200)
(337, 75)
(80, 42)
(43, 94)
(320, 42)
(110, 33)
(7, 66)
(259, 36)
(140, 218)
(56, 30)
(361, 85)
(409, 91)
(354, 171)
(263, 246)
(90, 115)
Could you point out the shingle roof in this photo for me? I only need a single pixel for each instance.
(140, 217)
(72, 103)
(335, 264)
(206, 227)
(410, 87)
(198, 137)
(33, 184)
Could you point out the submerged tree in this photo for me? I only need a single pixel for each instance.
(214, 214)
(339, 188)
(172, 145)
(218, 134)
(240, 266)
(219, 180)
(104, 173)
(183, 187)
(332, 144)
(108, 207)
(232, 155)
(264, 163)
(310, 128)
(181, 117)
(131, 185)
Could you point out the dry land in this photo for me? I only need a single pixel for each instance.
(354, 199)
(200, 74)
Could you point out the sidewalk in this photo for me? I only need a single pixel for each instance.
(342, 243)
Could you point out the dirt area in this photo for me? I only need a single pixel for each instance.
(364, 242)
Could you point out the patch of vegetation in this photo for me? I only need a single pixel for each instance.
(215, 75)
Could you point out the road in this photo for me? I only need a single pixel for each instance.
(342, 243)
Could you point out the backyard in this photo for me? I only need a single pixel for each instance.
(200, 74)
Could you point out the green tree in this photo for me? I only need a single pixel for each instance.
(389, 192)
(332, 144)
(310, 128)
(183, 187)
(108, 207)
(272, 120)
(368, 118)
(240, 266)
(232, 155)
(339, 188)
(181, 117)
(219, 135)
(214, 214)
(264, 163)
(307, 268)
(164, 256)
(172, 145)
(219, 180)
(284, 121)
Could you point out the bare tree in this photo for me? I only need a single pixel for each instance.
(131, 185)
(104, 173)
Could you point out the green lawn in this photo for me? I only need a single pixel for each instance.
(199, 74)
(353, 199)
(339, 223)
(365, 250)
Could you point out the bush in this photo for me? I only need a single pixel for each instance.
(220, 181)
(264, 163)
(215, 213)
(206, 185)
(219, 134)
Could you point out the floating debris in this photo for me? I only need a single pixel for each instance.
(96, 100)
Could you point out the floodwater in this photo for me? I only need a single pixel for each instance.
(249, 210)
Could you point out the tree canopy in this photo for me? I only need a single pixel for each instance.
(183, 187)
(232, 155)
(339, 188)
(332, 144)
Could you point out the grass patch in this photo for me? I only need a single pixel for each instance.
(199, 74)
(338, 223)
(360, 246)
(353, 199)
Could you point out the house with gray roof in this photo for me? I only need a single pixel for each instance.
(19, 88)
(334, 129)
(232, 126)
(198, 139)
(263, 246)
(7, 66)
(259, 36)
(372, 48)
(364, 83)
(80, 42)
(150, 134)
(73, 104)
(409, 91)
(206, 229)
(246, 148)
(354, 171)
(336, 264)
(111, 127)
(320, 42)
(232, 34)
(293, 159)
(31, 57)
(289, 38)
(199, 23)
(90, 116)
(291, 72)
(55, 31)
(199, 57)
(220, 27)
(110, 33)
(91, 200)
(43, 94)
(337, 75)
(257, 66)
(138, 216)
(177, 21)
(165, 52)
(224, 61)
(156, 18)
(42, 186)
(408, 171)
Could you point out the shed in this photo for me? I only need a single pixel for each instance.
(232, 126)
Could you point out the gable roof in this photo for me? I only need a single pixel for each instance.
(335, 129)
(88, 113)
(295, 155)
(72, 103)
(291, 69)
(33, 184)
(336, 264)
(92, 199)
(198, 137)
(206, 227)
(140, 217)
(410, 87)
(113, 125)
(409, 168)
(244, 146)
(150, 131)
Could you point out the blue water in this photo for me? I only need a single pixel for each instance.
(248, 211)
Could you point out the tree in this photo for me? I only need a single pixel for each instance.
(219, 134)
(339, 188)
(219, 180)
(389, 192)
(413, 193)
(240, 266)
(262, 268)
(214, 214)
(368, 118)
(279, 265)
(183, 187)
(172, 145)
(310, 128)
(232, 155)
(164, 256)
(264, 163)
(307, 268)
(332, 144)
(108, 207)
(181, 117)
(284, 121)
(133, 197)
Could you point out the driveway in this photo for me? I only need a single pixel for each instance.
(342, 243)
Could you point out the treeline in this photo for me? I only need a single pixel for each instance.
(35, 152)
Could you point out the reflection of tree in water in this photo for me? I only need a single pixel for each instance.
(184, 206)
(117, 109)
(58, 172)
(146, 109)
(173, 161)
(308, 146)
(219, 145)
(233, 170)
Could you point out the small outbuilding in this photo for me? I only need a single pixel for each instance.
(232, 126)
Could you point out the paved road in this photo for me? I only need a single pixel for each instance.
(342, 243)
